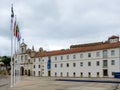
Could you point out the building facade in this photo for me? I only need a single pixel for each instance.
(25, 58)
(99, 59)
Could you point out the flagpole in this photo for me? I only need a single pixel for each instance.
(14, 60)
(15, 53)
(12, 16)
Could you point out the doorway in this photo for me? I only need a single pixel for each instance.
(29, 72)
(49, 73)
(22, 71)
(105, 72)
(61, 74)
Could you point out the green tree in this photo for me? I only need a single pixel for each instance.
(6, 60)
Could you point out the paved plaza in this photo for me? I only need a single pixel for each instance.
(50, 83)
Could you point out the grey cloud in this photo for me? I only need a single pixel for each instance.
(45, 22)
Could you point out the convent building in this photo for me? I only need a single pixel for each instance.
(97, 59)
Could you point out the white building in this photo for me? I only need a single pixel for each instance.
(99, 59)
(25, 58)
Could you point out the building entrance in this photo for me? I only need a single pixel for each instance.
(28, 72)
(105, 72)
(49, 73)
(22, 71)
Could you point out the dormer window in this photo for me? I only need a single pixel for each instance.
(113, 39)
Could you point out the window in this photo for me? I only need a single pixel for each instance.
(49, 57)
(89, 63)
(61, 74)
(97, 63)
(105, 53)
(34, 66)
(105, 63)
(81, 64)
(22, 50)
(74, 64)
(39, 66)
(98, 74)
(39, 73)
(25, 57)
(55, 74)
(61, 65)
(39, 59)
(34, 59)
(74, 74)
(89, 54)
(97, 54)
(61, 57)
(67, 64)
(55, 65)
(29, 61)
(81, 74)
(67, 56)
(112, 52)
(34, 73)
(21, 58)
(67, 74)
(74, 56)
(81, 55)
(89, 74)
(55, 58)
(113, 62)
(112, 73)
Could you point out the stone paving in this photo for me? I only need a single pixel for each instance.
(49, 83)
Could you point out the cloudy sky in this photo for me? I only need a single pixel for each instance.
(57, 24)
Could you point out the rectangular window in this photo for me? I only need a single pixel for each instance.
(112, 52)
(89, 54)
(97, 63)
(74, 64)
(55, 65)
(105, 63)
(81, 64)
(55, 58)
(112, 73)
(74, 56)
(39, 66)
(105, 53)
(113, 62)
(67, 56)
(61, 65)
(61, 57)
(81, 55)
(67, 64)
(97, 54)
(89, 63)
(39, 59)
(34, 60)
(34, 66)
(25, 57)
(29, 61)
(22, 58)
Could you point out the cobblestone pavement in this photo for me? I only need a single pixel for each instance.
(49, 83)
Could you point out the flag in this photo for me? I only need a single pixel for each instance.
(12, 12)
(18, 33)
(15, 29)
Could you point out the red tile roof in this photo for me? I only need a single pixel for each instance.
(79, 49)
(113, 37)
